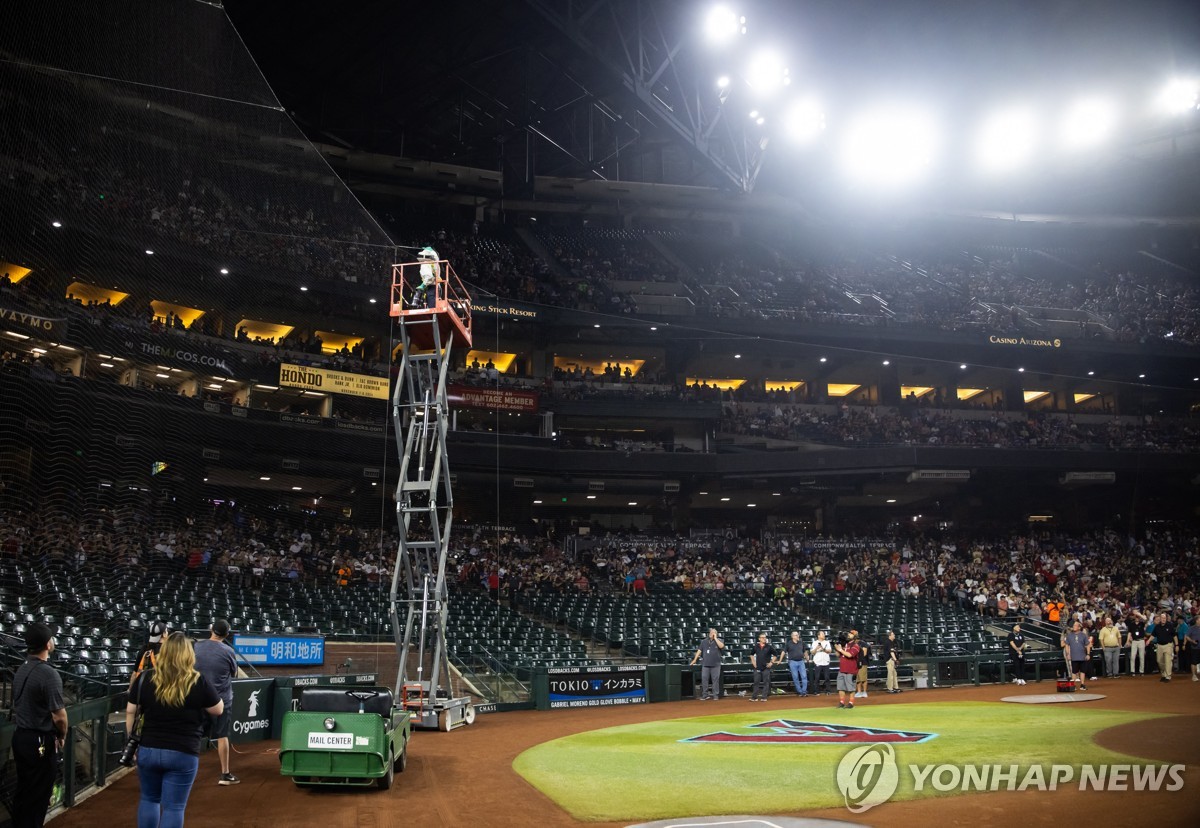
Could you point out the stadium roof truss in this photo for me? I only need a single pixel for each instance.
(643, 46)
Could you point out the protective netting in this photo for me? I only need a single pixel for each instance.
(170, 243)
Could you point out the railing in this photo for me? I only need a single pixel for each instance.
(499, 684)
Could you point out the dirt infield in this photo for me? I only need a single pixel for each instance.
(465, 778)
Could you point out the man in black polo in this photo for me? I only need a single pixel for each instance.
(762, 659)
(41, 719)
(1164, 645)
(1016, 653)
(709, 655)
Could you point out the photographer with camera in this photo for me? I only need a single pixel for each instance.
(41, 719)
(848, 649)
(171, 698)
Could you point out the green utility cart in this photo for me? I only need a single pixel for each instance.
(345, 737)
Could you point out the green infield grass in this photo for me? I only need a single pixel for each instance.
(645, 771)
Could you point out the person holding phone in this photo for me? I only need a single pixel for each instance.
(709, 655)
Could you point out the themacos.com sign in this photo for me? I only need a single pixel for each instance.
(869, 775)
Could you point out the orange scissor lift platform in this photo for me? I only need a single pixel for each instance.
(449, 310)
(435, 320)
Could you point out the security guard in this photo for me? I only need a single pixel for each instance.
(41, 719)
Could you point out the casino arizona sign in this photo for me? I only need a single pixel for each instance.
(788, 732)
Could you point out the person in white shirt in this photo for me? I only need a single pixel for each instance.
(821, 650)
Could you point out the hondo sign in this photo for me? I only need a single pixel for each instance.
(333, 382)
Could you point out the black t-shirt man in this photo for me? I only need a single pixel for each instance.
(1016, 645)
(173, 728)
(1136, 627)
(890, 651)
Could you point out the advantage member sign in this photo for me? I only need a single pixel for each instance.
(333, 382)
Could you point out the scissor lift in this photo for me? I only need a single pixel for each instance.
(430, 329)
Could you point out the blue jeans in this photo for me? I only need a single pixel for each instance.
(166, 777)
(799, 675)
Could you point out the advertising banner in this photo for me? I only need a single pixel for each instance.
(281, 650)
(597, 686)
(494, 399)
(333, 382)
(253, 702)
(31, 323)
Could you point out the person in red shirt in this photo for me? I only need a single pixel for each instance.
(847, 669)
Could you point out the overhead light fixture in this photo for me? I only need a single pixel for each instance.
(591, 497)
(107, 365)
(1006, 140)
(1087, 124)
(724, 500)
(163, 376)
(149, 252)
(264, 478)
(723, 82)
(303, 289)
(722, 25)
(224, 271)
(823, 359)
(767, 73)
(887, 362)
(56, 224)
(890, 147)
(804, 120)
(891, 500)
(296, 489)
(963, 367)
(1180, 96)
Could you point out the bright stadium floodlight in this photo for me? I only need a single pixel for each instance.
(1006, 140)
(891, 146)
(1180, 96)
(766, 73)
(1087, 124)
(804, 120)
(722, 24)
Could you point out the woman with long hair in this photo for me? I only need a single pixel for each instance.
(173, 699)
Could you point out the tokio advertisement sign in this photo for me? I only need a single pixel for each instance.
(333, 382)
(597, 686)
(253, 702)
(281, 650)
(494, 399)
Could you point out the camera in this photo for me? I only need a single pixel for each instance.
(129, 752)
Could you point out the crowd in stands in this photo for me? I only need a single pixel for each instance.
(907, 425)
(1097, 573)
(1027, 573)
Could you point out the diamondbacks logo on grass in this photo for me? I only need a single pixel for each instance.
(788, 732)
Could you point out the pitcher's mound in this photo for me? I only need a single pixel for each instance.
(1054, 698)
